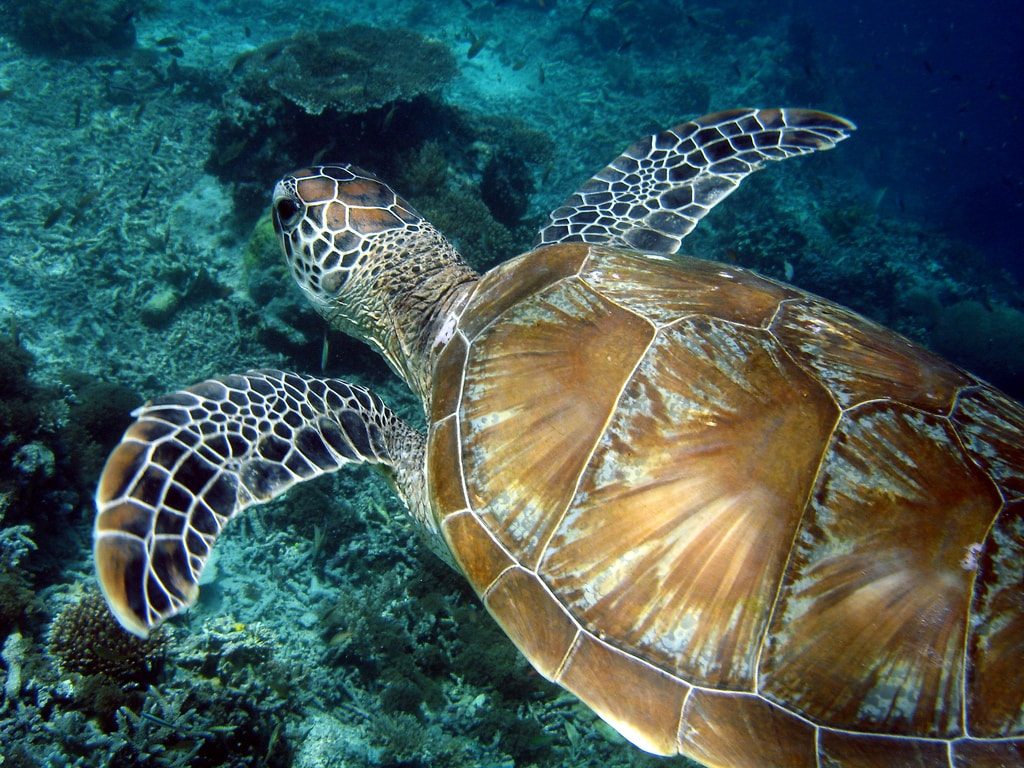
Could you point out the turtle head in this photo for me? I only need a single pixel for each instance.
(336, 223)
(369, 263)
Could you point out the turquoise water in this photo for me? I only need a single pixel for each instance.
(139, 143)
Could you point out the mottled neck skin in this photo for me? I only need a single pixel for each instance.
(410, 304)
(372, 266)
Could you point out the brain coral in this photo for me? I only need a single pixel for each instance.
(85, 638)
(351, 70)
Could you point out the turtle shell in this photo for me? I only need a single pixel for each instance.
(738, 521)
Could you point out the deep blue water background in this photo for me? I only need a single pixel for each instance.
(938, 91)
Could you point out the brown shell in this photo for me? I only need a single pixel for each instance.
(738, 521)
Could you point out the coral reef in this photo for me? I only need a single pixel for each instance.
(98, 414)
(21, 402)
(75, 27)
(350, 70)
(17, 597)
(296, 96)
(506, 187)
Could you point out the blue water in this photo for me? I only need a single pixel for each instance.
(938, 89)
(139, 143)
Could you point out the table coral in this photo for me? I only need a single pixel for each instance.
(351, 70)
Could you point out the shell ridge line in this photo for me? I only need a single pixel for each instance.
(597, 441)
(568, 653)
(969, 613)
(803, 511)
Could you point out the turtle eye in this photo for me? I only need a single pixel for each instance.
(286, 210)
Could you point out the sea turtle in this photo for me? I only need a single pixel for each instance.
(739, 522)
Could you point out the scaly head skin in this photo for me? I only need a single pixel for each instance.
(371, 265)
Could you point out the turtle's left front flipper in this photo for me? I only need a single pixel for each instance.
(652, 196)
(194, 459)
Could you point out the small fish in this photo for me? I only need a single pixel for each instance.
(386, 122)
(476, 45)
(240, 59)
(157, 143)
(161, 722)
(231, 152)
(327, 148)
(53, 217)
(145, 190)
(139, 110)
(247, 30)
(518, 64)
(168, 42)
(176, 51)
(540, 74)
(78, 114)
(6, 92)
(83, 204)
(586, 11)
(927, 66)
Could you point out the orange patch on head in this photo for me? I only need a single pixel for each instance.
(364, 192)
(370, 221)
(316, 190)
(335, 217)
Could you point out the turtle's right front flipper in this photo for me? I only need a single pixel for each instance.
(194, 459)
(652, 196)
